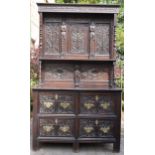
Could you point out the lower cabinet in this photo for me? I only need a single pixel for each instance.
(76, 117)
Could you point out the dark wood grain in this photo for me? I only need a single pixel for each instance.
(76, 100)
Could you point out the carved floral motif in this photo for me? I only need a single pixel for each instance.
(102, 39)
(52, 40)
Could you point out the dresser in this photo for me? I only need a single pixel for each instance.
(76, 100)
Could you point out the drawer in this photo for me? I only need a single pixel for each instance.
(56, 102)
(96, 127)
(97, 103)
(56, 127)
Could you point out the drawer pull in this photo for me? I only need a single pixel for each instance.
(64, 105)
(56, 96)
(48, 128)
(88, 129)
(105, 105)
(48, 104)
(96, 97)
(105, 129)
(64, 128)
(96, 122)
(56, 121)
(88, 105)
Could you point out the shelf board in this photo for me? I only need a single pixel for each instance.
(66, 59)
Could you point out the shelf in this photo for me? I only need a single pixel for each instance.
(39, 88)
(66, 59)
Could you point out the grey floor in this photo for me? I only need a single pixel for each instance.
(85, 149)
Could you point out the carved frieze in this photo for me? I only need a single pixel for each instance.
(58, 72)
(93, 72)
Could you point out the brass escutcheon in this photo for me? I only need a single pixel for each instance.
(64, 128)
(48, 104)
(56, 96)
(48, 128)
(105, 129)
(105, 105)
(96, 122)
(88, 105)
(64, 105)
(96, 97)
(88, 129)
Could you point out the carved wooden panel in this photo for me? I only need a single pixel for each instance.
(57, 103)
(102, 39)
(105, 128)
(65, 127)
(47, 103)
(52, 39)
(78, 39)
(47, 127)
(76, 74)
(96, 103)
(56, 127)
(66, 103)
(58, 72)
(96, 128)
(87, 128)
(93, 72)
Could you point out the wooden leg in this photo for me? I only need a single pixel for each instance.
(76, 146)
(35, 145)
(116, 147)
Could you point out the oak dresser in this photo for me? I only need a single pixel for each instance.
(76, 100)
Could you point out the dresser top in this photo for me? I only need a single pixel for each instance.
(78, 8)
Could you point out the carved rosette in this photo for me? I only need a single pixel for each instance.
(63, 39)
(92, 40)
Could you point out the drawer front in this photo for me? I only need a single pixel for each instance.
(54, 102)
(96, 103)
(96, 128)
(56, 127)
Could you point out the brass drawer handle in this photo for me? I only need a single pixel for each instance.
(64, 105)
(96, 97)
(88, 105)
(96, 122)
(48, 128)
(56, 96)
(64, 128)
(88, 129)
(48, 104)
(105, 129)
(56, 121)
(105, 105)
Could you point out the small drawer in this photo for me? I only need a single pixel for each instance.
(96, 128)
(56, 127)
(96, 103)
(54, 102)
